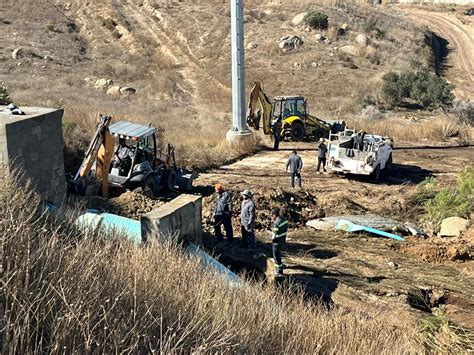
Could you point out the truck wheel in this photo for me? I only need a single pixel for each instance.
(297, 131)
(169, 179)
(376, 174)
(319, 133)
(149, 186)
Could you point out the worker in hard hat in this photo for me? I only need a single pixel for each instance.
(279, 231)
(247, 220)
(223, 214)
(322, 152)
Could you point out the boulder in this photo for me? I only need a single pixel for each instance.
(252, 45)
(342, 30)
(327, 41)
(288, 43)
(318, 37)
(21, 52)
(298, 19)
(103, 83)
(128, 90)
(350, 49)
(114, 90)
(362, 39)
(16, 54)
(453, 227)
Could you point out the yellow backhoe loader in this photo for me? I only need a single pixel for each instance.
(287, 114)
(125, 155)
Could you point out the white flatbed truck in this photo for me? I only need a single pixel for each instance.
(358, 153)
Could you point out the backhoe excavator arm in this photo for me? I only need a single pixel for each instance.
(100, 151)
(259, 108)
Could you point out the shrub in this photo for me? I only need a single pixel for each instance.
(4, 96)
(316, 19)
(464, 111)
(370, 27)
(449, 202)
(421, 87)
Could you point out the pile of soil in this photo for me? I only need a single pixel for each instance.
(439, 250)
(130, 204)
(297, 206)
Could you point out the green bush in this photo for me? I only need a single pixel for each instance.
(449, 202)
(421, 87)
(370, 27)
(316, 19)
(4, 96)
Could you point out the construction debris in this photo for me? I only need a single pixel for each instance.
(299, 207)
(351, 228)
(368, 220)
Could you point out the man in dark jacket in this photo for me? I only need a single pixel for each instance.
(322, 151)
(295, 164)
(247, 220)
(223, 214)
(279, 231)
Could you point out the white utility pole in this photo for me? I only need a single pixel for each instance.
(239, 128)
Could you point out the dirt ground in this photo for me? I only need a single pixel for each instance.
(458, 32)
(422, 276)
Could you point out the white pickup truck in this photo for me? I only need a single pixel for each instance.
(359, 153)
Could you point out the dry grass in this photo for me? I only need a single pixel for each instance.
(439, 129)
(64, 291)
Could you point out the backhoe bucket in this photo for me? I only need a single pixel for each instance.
(184, 179)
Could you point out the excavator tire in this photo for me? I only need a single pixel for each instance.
(169, 179)
(297, 131)
(149, 186)
(319, 133)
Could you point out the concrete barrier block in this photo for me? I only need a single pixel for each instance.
(33, 144)
(179, 219)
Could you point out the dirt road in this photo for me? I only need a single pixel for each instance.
(347, 270)
(459, 66)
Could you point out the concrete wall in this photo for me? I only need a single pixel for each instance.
(34, 144)
(180, 218)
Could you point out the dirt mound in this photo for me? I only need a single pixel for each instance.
(130, 204)
(438, 250)
(298, 206)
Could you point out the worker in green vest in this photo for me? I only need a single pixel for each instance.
(280, 229)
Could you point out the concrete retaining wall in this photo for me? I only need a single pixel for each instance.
(34, 144)
(180, 218)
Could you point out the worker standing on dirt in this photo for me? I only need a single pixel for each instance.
(247, 220)
(276, 129)
(280, 229)
(295, 163)
(223, 214)
(322, 152)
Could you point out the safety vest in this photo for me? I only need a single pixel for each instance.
(280, 228)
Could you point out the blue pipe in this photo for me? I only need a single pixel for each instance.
(131, 229)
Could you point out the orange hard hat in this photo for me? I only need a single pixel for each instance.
(219, 187)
